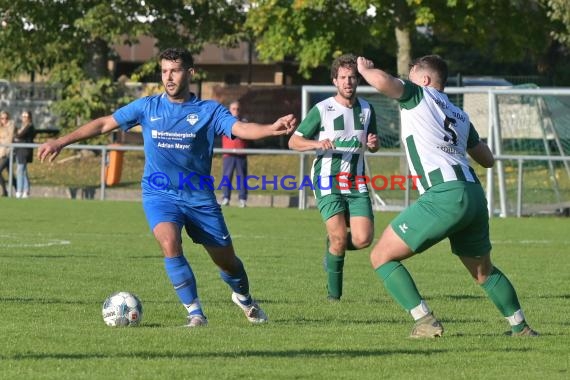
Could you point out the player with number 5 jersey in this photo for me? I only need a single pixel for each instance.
(437, 136)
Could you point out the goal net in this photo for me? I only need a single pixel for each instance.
(528, 129)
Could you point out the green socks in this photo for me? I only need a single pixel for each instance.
(500, 290)
(399, 284)
(334, 264)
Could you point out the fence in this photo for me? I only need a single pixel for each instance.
(527, 129)
(383, 201)
(523, 125)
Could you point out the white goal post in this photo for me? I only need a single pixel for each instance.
(503, 116)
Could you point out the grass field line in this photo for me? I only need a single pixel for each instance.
(35, 245)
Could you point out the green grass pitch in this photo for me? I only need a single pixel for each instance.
(61, 258)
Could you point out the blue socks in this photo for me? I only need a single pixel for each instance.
(239, 283)
(182, 278)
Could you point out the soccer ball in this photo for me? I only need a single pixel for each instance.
(122, 309)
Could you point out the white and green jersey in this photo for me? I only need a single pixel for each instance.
(436, 135)
(347, 128)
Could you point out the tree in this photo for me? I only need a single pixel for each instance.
(308, 31)
(559, 12)
(316, 31)
(71, 42)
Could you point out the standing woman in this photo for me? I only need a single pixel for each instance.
(24, 134)
(7, 129)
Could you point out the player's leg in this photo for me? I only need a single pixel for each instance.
(335, 253)
(233, 272)
(501, 292)
(361, 222)
(206, 226)
(386, 257)
(426, 222)
(472, 245)
(165, 222)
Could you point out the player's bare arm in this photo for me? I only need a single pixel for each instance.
(372, 142)
(380, 80)
(253, 131)
(482, 155)
(301, 144)
(50, 149)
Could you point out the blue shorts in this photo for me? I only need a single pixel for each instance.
(204, 224)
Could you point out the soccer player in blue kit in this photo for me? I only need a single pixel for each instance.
(178, 132)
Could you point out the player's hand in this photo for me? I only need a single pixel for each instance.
(372, 142)
(284, 125)
(325, 144)
(49, 150)
(363, 64)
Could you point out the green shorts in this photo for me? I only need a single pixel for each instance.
(353, 204)
(456, 210)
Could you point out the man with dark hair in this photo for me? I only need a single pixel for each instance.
(341, 129)
(437, 135)
(178, 131)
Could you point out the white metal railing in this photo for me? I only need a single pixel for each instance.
(104, 149)
(494, 139)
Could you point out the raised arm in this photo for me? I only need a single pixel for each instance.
(254, 131)
(102, 125)
(380, 80)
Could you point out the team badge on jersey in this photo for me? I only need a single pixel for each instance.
(192, 118)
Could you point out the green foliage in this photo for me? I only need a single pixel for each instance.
(559, 12)
(70, 42)
(84, 99)
(313, 32)
(62, 258)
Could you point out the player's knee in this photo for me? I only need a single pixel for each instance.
(337, 243)
(361, 241)
(170, 247)
(481, 277)
(376, 256)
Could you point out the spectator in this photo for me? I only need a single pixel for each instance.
(6, 137)
(24, 156)
(234, 162)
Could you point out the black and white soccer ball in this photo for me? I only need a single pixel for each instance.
(122, 309)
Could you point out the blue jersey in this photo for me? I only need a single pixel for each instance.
(178, 144)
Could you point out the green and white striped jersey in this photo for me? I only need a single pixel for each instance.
(347, 128)
(436, 135)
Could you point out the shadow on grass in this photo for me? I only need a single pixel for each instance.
(306, 353)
